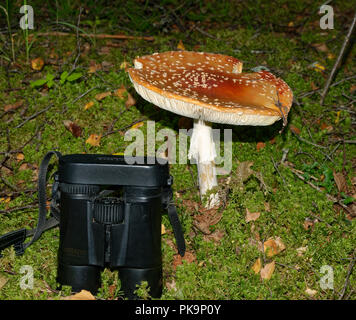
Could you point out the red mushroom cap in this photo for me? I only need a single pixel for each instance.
(210, 87)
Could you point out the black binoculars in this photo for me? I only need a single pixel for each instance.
(110, 217)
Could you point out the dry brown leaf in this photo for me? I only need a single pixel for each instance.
(37, 64)
(3, 281)
(120, 92)
(82, 295)
(353, 88)
(207, 218)
(308, 224)
(94, 140)
(311, 292)
(340, 181)
(260, 145)
(301, 251)
(73, 128)
(273, 246)
(256, 268)
(93, 67)
(130, 101)
(101, 96)
(294, 129)
(13, 106)
(189, 257)
(24, 166)
(267, 206)
(267, 270)
(215, 236)
(251, 216)
(320, 47)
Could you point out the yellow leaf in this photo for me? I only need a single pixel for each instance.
(267, 270)
(82, 295)
(88, 105)
(163, 229)
(20, 157)
(256, 268)
(101, 96)
(337, 117)
(137, 125)
(318, 67)
(251, 216)
(273, 246)
(5, 200)
(94, 140)
(180, 45)
(120, 92)
(124, 65)
(331, 56)
(291, 24)
(37, 64)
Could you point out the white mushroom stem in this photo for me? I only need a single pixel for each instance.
(202, 150)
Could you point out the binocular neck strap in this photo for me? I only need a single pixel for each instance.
(43, 223)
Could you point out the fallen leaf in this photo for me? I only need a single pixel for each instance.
(313, 86)
(13, 106)
(101, 96)
(301, 251)
(120, 92)
(94, 140)
(93, 67)
(215, 236)
(260, 145)
(163, 229)
(321, 47)
(267, 206)
(251, 216)
(311, 292)
(20, 156)
(189, 257)
(273, 246)
(207, 218)
(73, 128)
(353, 88)
(24, 166)
(88, 105)
(37, 64)
(130, 101)
(340, 181)
(180, 45)
(267, 270)
(318, 67)
(82, 295)
(256, 268)
(331, 56)
(294, 129)
(3, 281)
(308, 224)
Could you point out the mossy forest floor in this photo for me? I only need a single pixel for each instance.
(304, 201)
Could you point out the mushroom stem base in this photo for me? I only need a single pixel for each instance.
(202, 150)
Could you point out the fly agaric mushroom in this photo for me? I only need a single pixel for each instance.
(210, 88)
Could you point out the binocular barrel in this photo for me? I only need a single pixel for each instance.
(121, 233)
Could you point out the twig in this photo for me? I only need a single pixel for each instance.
(34, 116)
(338, 60)
(276, 167)
(98, 36)
(349, 271)
(329, 197)
(30, 206)
(123, 128)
